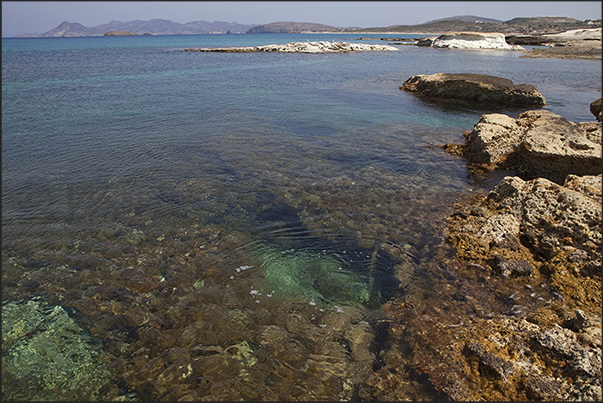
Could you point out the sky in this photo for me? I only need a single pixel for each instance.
(42, 16)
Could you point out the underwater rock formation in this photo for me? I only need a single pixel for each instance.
(314, 277)
(46, 355)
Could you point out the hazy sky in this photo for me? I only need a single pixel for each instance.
(42, 16)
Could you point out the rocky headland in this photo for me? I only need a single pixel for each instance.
(574, 44)
(475, 88)
(303, 47)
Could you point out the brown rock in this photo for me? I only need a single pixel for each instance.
(474, 87)
(595, 109)
(538, 143)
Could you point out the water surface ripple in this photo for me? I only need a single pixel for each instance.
(228, 226)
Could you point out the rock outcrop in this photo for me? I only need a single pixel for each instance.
(304, 47)
(474, 40)
(474, 87)
(574, 44)
(595, 109)
(538, 143)
(537, 220)
(593, 34)
(517, 314)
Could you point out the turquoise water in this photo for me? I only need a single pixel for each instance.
(142, 184)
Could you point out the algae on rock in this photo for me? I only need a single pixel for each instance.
(315, 277)
(46, 355)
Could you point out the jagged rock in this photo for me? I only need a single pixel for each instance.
(474, 40)
(426, 41)
(512, 268)
(542, 387)
(587, 185)
(500, 230)
(552, 216)
(595, 109)
(304, 47)
(490, 364)
(538, 143)
(474, 87)
(584, 361)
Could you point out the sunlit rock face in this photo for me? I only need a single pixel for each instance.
(538, 143)
(474, 40)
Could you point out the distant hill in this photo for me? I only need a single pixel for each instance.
(292, 27)
(522, 26)
(155, 27)
(516, 26)
(465, 18)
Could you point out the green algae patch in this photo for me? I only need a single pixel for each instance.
(315, 277)
(46, 355)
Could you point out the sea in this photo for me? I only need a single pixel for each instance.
(228, 226)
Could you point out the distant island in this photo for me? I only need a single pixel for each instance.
(120, 33)
(138, 27)
(515, 26)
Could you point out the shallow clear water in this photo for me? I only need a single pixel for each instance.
(189, 180)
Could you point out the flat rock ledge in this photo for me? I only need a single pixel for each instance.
(474, 87)
(539, 143)
(303, 47)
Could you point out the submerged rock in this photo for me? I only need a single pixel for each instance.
(314, 277)
(46, 355)
(474, 87)
(303, 47)
(538, 143)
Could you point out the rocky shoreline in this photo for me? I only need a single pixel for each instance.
(573, 44)
(303, 47)
(517, 311)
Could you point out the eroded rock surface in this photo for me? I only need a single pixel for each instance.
(516, 313)
(538, 143)
(537, 219)
(474, 87)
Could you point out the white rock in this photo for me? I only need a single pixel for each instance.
(306, 47)
(474, 40)
(576, 34)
